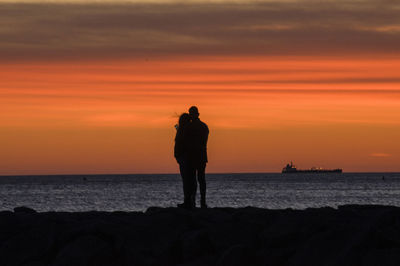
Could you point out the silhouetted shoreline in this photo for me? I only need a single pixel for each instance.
(349, 235)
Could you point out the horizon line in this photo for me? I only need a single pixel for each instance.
(212, 173)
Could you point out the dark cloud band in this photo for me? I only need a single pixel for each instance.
(74, 31)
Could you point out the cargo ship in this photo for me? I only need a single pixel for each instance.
(290, 168)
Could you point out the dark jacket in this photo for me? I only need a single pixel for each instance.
(197, 137)
(181, 146)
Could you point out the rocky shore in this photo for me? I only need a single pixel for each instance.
(350, 235)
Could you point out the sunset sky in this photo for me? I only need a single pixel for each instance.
(90, 87)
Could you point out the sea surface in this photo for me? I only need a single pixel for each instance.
(138, 192)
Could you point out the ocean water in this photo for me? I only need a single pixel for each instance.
(138, 192)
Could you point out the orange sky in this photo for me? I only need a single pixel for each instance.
(117, 116)
(96, 86)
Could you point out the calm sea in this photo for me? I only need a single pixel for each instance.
(138, 192)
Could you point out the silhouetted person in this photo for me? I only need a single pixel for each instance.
(197, 136)
(181, 153)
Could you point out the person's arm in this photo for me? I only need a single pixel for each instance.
(206, 133)
(177, 148)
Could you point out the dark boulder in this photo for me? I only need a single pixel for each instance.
(350, 235)
(24, 209)
(85, 250)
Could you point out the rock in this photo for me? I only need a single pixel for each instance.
(35, 263)
(24, 209)
(196, 244)
(376, 257)
(85, 250)
(8, 225)
(28, 245)
(234, 256)
(350, 235)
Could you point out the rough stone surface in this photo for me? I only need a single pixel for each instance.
(350, 235)
(24, 209)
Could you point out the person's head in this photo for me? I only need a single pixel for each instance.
(184, 119)
(194, 112)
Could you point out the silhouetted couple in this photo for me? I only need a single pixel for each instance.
(191, 154)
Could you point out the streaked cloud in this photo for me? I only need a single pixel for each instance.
(102, 29)
(233, 92)
(380, 154)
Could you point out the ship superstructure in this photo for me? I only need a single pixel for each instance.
(291, 168)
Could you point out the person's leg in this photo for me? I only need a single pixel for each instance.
(194, 188)
(201, 178)
(186, 186)
(191, 186)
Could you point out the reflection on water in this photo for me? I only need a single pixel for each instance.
(138, 192)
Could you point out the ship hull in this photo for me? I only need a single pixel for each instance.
(312, 171)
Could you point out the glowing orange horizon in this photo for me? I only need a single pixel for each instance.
(117, 116)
